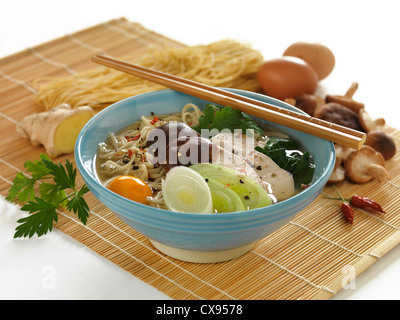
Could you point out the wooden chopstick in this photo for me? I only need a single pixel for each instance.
(301, 122)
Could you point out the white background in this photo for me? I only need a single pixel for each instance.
(363, 35)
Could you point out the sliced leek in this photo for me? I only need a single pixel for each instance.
(185, 190)
(250, 193)
(224, 199)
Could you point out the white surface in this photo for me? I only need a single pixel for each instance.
(362, 34)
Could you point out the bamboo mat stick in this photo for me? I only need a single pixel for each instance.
(282, 116)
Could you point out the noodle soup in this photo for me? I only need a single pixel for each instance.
(224, 146)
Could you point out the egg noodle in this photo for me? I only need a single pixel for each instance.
(225, 63)
(124, 153)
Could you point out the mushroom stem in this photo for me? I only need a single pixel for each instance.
(378, 172)
(347, 99)
(353, 88)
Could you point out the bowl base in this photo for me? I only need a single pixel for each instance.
(202, 256)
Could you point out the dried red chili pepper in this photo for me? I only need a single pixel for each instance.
(366, 204)
(129, 139)
(346, 208)
(347, 211)
(358, 202)
(155, 119)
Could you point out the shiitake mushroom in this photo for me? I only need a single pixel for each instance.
(171, 131)
(193, 150)
(382, 143)
(336, 113)
(176, 143)
(365, 164)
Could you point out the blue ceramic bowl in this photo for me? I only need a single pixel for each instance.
(188, 236)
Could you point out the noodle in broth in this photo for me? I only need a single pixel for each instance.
(124, 153)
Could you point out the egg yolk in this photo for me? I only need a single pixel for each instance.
(131, 187)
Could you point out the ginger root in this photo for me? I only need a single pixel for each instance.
(56, 129)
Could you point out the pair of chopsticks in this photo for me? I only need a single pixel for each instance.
(304, 123)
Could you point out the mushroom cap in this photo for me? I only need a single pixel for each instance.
(338, 175)
(364, 165)
(341, 153)
(382, 143)
(307, 102)
(336, 113)
(345, 101)
(368, 123)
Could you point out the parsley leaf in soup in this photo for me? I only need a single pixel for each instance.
(220, 118)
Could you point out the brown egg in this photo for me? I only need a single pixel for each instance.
(315, 54)
(287, 77)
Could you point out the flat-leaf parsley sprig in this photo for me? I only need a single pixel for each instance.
(57, 189)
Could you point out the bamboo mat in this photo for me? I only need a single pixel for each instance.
(311, 257)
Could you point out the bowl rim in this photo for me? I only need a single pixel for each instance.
(262, 212)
